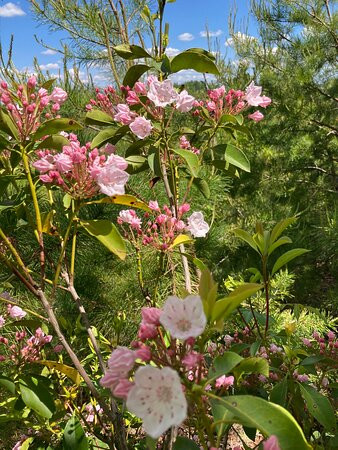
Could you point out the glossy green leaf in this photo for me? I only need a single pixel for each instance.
(129, 52)
(270, 419)
(4, 143)
(245, 236)
(286, 257)
(109, 134)
(219, 414)
(123, 199)
(55, 141)
(237, 158)
(136, 163)
(181, 239)
(191, 160)
(183, 443)
(280, 227)
(106, 232)
(228, 118)
(7, 125)
(54, 126)
(279, 392)
(319, 406)
(207, 291)
(202, 51)
(281, 241)
(202, 186)
(97, 117)
(134, 73)
(253, 364)
(7, 383)
(36, 395)
(73, 436)
(154, 161)
(224, 364)
(224, 307)
(193, 60)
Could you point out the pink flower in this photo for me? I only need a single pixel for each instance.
(192, 360)
(265, 101)
(141, 127)
(224, 382)
(110, 149)
(111, 379)
(153, 205)
(132, 98)
(183, 319)
(42, 92)
(184, 143)
(16, 312)
(257, 116)
(307, 342)
(122, 388)
(45, 164)
(151, 316)
(63, 162)
(197, 225)
(31, 83)
(143, 353)
(162, 93)
(157, 397)
(216, 94)
(275, 349)
(147, 331)
(331, 335)
(271, 443)
(325, 382)
(253, 94)
(58, 348)
(130, 216)
(2, 321)
(185, 102)
(124, 115)
(58, 96)
(211, 106)
(111, 177)
(140, 88)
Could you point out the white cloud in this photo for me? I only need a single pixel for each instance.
(11, 10)
(190, 75)
(81, 74)
(211, 33)
(186, 37)
(240, 37)
(49, 51)
(49, 66)
(170, 51)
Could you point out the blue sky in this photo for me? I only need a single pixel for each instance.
(187, 19)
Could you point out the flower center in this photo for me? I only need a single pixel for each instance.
(164, 393)
(184, 325)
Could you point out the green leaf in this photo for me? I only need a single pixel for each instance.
(283, 240)
(253, 364)
(136, 163)
(124, 199)
(26, 443)
(154, 161)
(7, 125)
(279, 392)
(127, 51)
(219, 413)
(223, 364)
(97, 117)
(36, 395)
(191, 159)
(54, 126)
(55, 141)
(286, 257)
(319, 406)
(237, 158)
(207, 291)
(228, 118)
(193, 60)
(73, 436)
(202, 51)
(7, 383)
(4, 143)
(181, 239)
(280, 227)
(270, 419)
(106, 232)
(70, 372)
(109, 134)
(202, 186)
(183, 443)
(245, 236)
(224, 307)
(134, 73)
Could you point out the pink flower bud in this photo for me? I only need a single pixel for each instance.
(147, 332)
(31, 82)
(122, 388)
(144, 353)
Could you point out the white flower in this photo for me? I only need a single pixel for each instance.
(197, 225)
(157, 397)
(183, 318)
(185, 102)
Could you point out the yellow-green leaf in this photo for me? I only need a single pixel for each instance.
(70, 372)
(125, 199)
(181, 239)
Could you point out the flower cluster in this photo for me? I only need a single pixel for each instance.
(234, 102)
(164, 228)
(83, 173)
(184, 143)
(27, 104)
(25, 350)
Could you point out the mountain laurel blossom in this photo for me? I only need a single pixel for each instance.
(16, 312)
(162, 93)
(141, 127)
(257, 116)
(183, 318)
(158, 399)
(197, 226)
(185, 102)
(271, 443)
